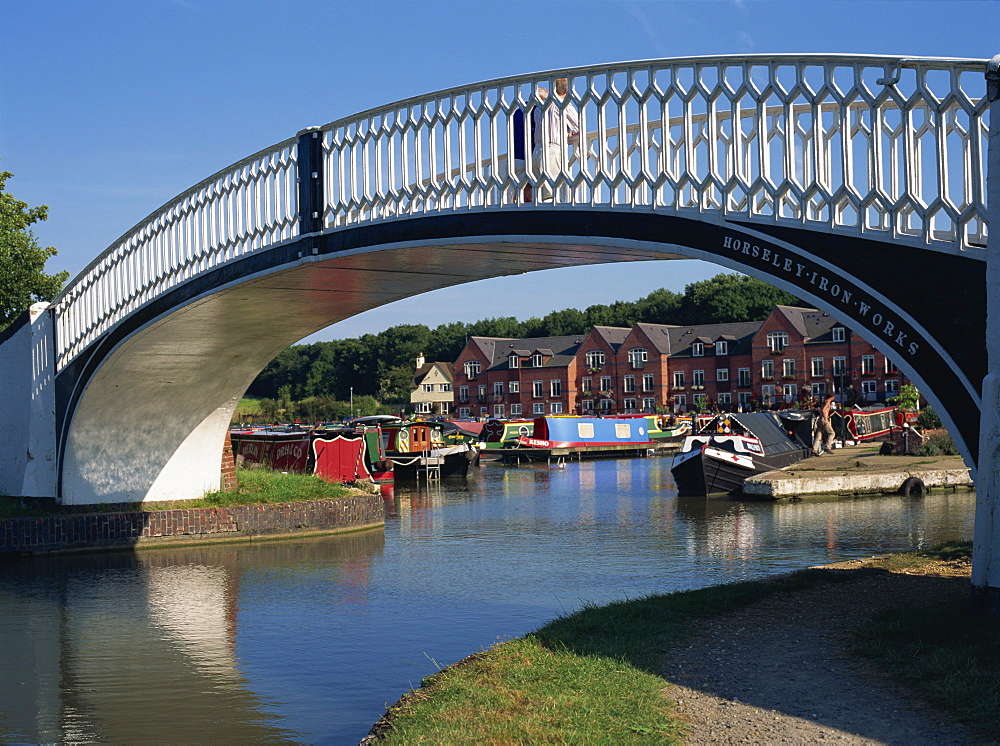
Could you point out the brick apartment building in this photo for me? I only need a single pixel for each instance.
(796, 355)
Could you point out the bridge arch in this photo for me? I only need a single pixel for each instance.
(856, 182)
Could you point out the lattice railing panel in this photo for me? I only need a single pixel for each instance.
(883, 147)
(246, 207)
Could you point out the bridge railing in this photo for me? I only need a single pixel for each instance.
(886, 147)
(245, 207)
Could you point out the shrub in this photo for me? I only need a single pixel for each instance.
(928, 419)
(938, 444)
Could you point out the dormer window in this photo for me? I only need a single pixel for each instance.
(722, 347)
(839, 334)
(513, 361)
(536, 360)
(698, 349)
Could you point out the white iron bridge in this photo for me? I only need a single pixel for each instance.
(858, 183)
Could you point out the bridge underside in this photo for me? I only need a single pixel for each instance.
(171, 374)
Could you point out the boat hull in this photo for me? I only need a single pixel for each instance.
(454, 462)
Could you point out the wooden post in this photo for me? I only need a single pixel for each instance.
(986, 543)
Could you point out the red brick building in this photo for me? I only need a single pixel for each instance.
(792, 357)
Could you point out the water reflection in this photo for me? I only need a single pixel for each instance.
(309, 640)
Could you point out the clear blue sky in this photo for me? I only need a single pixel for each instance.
(109, 108)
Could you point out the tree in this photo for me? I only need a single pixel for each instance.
(22, 261)
(732, 297)
(907, 398)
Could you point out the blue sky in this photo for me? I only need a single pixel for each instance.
(109, 108)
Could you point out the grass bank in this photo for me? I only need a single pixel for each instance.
(256, 487)
(591, 676)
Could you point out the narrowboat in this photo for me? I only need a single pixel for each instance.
(504, 433)
(426, 448)
(278, 449)
(594, 433)
(860, 425)
(731, 448)
(347, 454)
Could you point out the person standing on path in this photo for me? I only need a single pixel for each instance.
(823, 440)
(552, 121)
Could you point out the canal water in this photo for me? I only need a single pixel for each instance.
(310, 640)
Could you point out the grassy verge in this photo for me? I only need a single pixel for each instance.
(588, 677)
(944, 652)
(256, 487)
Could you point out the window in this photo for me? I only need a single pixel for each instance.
(629, 406)
(637, 356)
(629, 384)
(789, 391)
(788, 368)
(483, 411)
(445, 407)
(817, 367)
(606, 405)
(744, 398)
(537, 360)
(890, 367)
(514, 387)
(725, 398)
(463, 393)
(868, 390)
(839, 366)
(767, 393)
(464, 412)
(697, 349)
(538, 408)
(428, 388)
(839, 334)
(777, 341)
(698, 378)
(513, 361)
(472, 369)
(595, 358)
(867, 365)
(537, 389)
(891, 388)
(587, 385)
(678, 378)
(498, 410)
(722, 374)
(587, 405)
(648, 382)
(555, 388)
(515, 409)
(482, 392)
(767, 369)
(605, 383)
(680, 403)
(423, 407)
(498, 388)
(722, 347)
(743, 377)
(819, 390)
(649, 404)
(556, 407)
(446, 387)
(699, 401)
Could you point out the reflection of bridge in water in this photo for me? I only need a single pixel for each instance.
(82, 655)
(857, 183)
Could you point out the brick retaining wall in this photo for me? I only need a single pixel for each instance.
(83, 531)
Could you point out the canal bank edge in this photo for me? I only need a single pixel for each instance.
(858, 470)
(81, 532)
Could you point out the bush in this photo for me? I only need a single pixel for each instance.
(928, 419)
(938, 444)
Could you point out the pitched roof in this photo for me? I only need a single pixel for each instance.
(426, 368)
(811, 323)
(673, 340)
(614, 336)
(559, 350)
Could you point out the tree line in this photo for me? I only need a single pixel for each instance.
(381, 366)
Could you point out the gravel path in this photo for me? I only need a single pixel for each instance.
(781, 671)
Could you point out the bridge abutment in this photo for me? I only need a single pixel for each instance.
(28, 465)
(986, 543)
